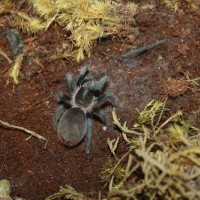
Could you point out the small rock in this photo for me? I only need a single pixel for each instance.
(104, 128)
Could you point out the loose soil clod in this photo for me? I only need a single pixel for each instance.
(175, 87)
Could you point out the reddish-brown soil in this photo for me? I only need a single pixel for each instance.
(36, 170)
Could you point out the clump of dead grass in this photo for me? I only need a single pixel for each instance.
(67, 192)
(2, 53)
(177, 4)
(85, 20)
(162, 162)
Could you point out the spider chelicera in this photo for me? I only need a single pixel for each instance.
(86, 99)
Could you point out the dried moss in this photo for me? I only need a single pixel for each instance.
(177, 4)
(163, 162)
(67, 192)
(85, 20)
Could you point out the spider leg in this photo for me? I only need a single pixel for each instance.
(82, 77)
(100, 114)
(101, 83)
(57, 117)
(96, 88)
(70, 83)
(106, 97)
(89, 134)
(64, 99)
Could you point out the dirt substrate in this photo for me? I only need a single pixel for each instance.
(36, 170)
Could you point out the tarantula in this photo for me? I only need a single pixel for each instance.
(85, 100)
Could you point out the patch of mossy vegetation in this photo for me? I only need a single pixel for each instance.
(162, 159)
(85, 20)
(67, 192)
(177, 4)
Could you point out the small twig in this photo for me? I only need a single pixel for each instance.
(141, 50)
(32, 133)
(134, 53)
(5, 56)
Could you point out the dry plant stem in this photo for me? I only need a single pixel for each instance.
(115, 167)
(128, 174)
(167, 121)
(5, 56)
(51, 21)
(32, 133)
(141, 50)
(120, 160)
(124, 127)
(161, 114)
(14, 73)
(193, 150)
(147, 158)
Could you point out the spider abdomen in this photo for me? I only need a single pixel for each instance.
(72, 127)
